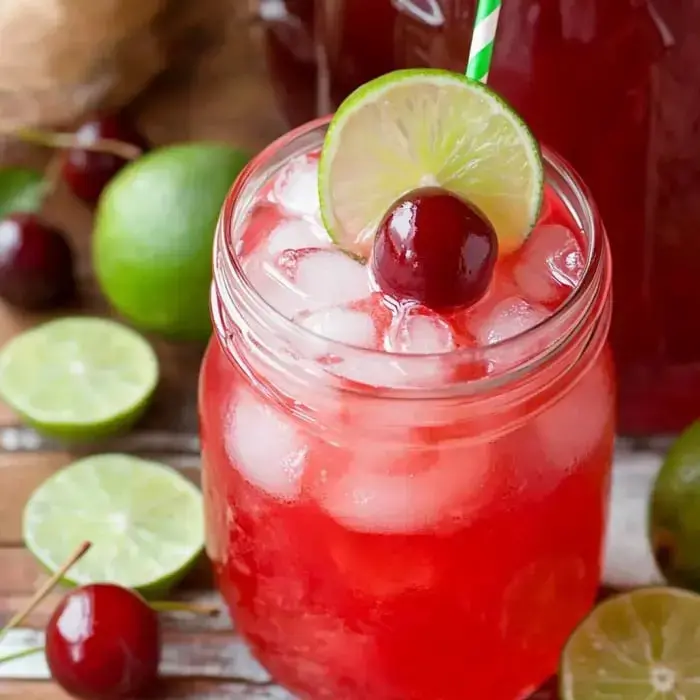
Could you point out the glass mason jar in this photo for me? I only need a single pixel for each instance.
(612, 86)
(384, 543)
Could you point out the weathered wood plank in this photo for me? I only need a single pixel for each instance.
(216, 655)
(170, 689)
(21, 575)
(14, 438)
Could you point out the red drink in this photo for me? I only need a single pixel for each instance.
(417, 524)
(614, 87)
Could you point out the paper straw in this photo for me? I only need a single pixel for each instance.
(483, 37)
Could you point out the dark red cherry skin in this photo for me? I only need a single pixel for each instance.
(88, 172)
(103, 643)
(36, 263)
(436, 248)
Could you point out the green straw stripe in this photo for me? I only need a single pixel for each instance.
(479, 64)
(483, 36)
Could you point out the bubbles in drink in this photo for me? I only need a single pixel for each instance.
(550, 265)
(266, 446)
(295, 189)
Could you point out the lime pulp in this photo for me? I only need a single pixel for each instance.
(642, 645)
(144, 520)
(78, 378)
(425, 127)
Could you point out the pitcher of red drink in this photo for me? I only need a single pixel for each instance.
(613, 86)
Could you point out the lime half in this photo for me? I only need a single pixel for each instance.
(144, 519)
(417, 128)
(642, 645)
(78, 378)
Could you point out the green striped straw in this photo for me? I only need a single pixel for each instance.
(483, 37)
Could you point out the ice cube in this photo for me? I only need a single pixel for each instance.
(575, 426)
(274, 286)
(550, 265)
(506, 319)
(295, 234)
(266, 447)
(296, 187)
(420, 332)
(307, 279)
(342, 325)
(399, 499)
(331, 278)
(375, 370)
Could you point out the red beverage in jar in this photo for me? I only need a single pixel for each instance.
(401, 501)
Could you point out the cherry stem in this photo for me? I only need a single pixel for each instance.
(182, 606)
(48, 586)
(13, 656)
(52, 139)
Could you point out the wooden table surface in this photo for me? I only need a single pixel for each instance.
(224, 96)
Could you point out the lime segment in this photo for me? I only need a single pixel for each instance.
(415, 128)
(78, 378)
(641, 645)
(144, 519)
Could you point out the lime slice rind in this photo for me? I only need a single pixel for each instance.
(636, 646)
(427, 127)
(78, 378)
(145, 522)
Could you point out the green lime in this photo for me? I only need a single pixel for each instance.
(416, 128)
(78, 378)
(154, 232)
(144, 520)
(674, 513)
(642, 645)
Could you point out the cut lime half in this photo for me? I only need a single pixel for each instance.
(423, 127)
(642, 645)
(78, 378)
(145, 522)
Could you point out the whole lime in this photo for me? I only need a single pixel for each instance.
(153, 237)
(674, 515)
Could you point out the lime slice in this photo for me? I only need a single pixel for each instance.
(144, 519)
(642, 645)
(674, 513)
(416, 128)
(78, 378)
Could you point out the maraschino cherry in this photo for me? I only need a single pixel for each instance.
(36, 263)
(88, 171)
(103, 643)
(436, 248)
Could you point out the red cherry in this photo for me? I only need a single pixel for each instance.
(36, 263)
(435, 248)
(88, 172)
(103, 643)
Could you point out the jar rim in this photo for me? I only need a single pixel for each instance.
(594, 284)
